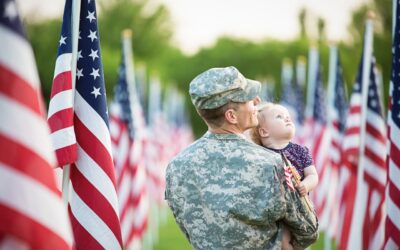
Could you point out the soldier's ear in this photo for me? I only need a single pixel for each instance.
(230, 116)
(263, 132)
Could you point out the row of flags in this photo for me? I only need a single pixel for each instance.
(113, 162)
(354, 147)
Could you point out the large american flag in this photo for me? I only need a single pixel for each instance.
(366, 200)
(127, 134)
(93, 204)
(32, 215)
(392, 228)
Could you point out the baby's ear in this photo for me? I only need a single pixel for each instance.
(263, 132)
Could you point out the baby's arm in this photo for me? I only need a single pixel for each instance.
(310, 180)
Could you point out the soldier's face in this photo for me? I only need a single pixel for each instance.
(247, 114)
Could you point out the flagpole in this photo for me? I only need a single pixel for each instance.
(357, 218)
(76, 7)
(312, 72)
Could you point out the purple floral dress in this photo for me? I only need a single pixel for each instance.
(298, 155)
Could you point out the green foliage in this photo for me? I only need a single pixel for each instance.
(151, 41)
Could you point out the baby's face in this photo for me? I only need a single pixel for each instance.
(278, 123)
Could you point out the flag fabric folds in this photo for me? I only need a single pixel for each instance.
(392, 227)
(93, 203)
(61, 110)
(363, 195)
(127, 134)
(318, 143)
(337, 109)
(32, 215)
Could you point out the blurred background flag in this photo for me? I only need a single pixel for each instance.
(364, 155)
(318, 142)
(337, 110)
(392, 227)
(32, 215)
(127, 133)
(93, 204)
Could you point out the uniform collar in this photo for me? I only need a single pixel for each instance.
(227, 136)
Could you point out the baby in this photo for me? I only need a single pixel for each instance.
(275, 132)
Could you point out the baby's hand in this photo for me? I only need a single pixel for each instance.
(302, 189)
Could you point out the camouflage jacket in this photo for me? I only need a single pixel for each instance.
(228, 193)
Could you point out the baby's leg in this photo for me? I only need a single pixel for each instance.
(286, 240)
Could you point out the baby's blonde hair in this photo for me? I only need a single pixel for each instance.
(255, 134)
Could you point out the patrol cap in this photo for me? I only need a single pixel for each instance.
(217, 86)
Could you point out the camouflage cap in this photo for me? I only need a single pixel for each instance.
(217, 86)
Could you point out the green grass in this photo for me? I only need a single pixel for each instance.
(171, 237)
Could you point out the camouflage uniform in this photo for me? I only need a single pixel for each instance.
(228, 193)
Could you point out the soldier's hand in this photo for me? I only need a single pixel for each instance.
(302, 189)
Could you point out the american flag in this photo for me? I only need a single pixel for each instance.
(93, 204)
(127, 134)
(392, 227)
(32, 215)
(61, 107)
(348, 169)
(365, 201)
(319, 144)
(337, 109)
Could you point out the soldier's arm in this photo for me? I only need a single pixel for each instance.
(175, 202)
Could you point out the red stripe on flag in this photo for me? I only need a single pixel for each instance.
(61, 82)
(29, 230)
(376, 134)
(85, 239)
(95, 200)
(27, 162)
(67, 155)
(376, 159)
(19, 90)
(61, 119)
(95, 149)
(391, 227)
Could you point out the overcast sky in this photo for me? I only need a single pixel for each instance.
(200, 22)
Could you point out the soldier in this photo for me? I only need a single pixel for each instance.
(224, 191)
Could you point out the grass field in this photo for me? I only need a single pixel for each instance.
(171, 238)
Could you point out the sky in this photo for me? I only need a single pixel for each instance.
(198, 23)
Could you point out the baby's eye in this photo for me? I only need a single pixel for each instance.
(279, 116)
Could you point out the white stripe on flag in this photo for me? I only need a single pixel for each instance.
(15, 128)
(63, 137)
(93, 122)
(60, 101)
(95, 175)
(63, 64)
(21, 61)
(41, 205)
(93, 223)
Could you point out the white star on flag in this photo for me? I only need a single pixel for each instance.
(93, 54)
(11, 10)
(96, 92)
(79, 73)
(80, 54)
(92, 35)
(62, 40)
(91, 16)
(95, 73)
